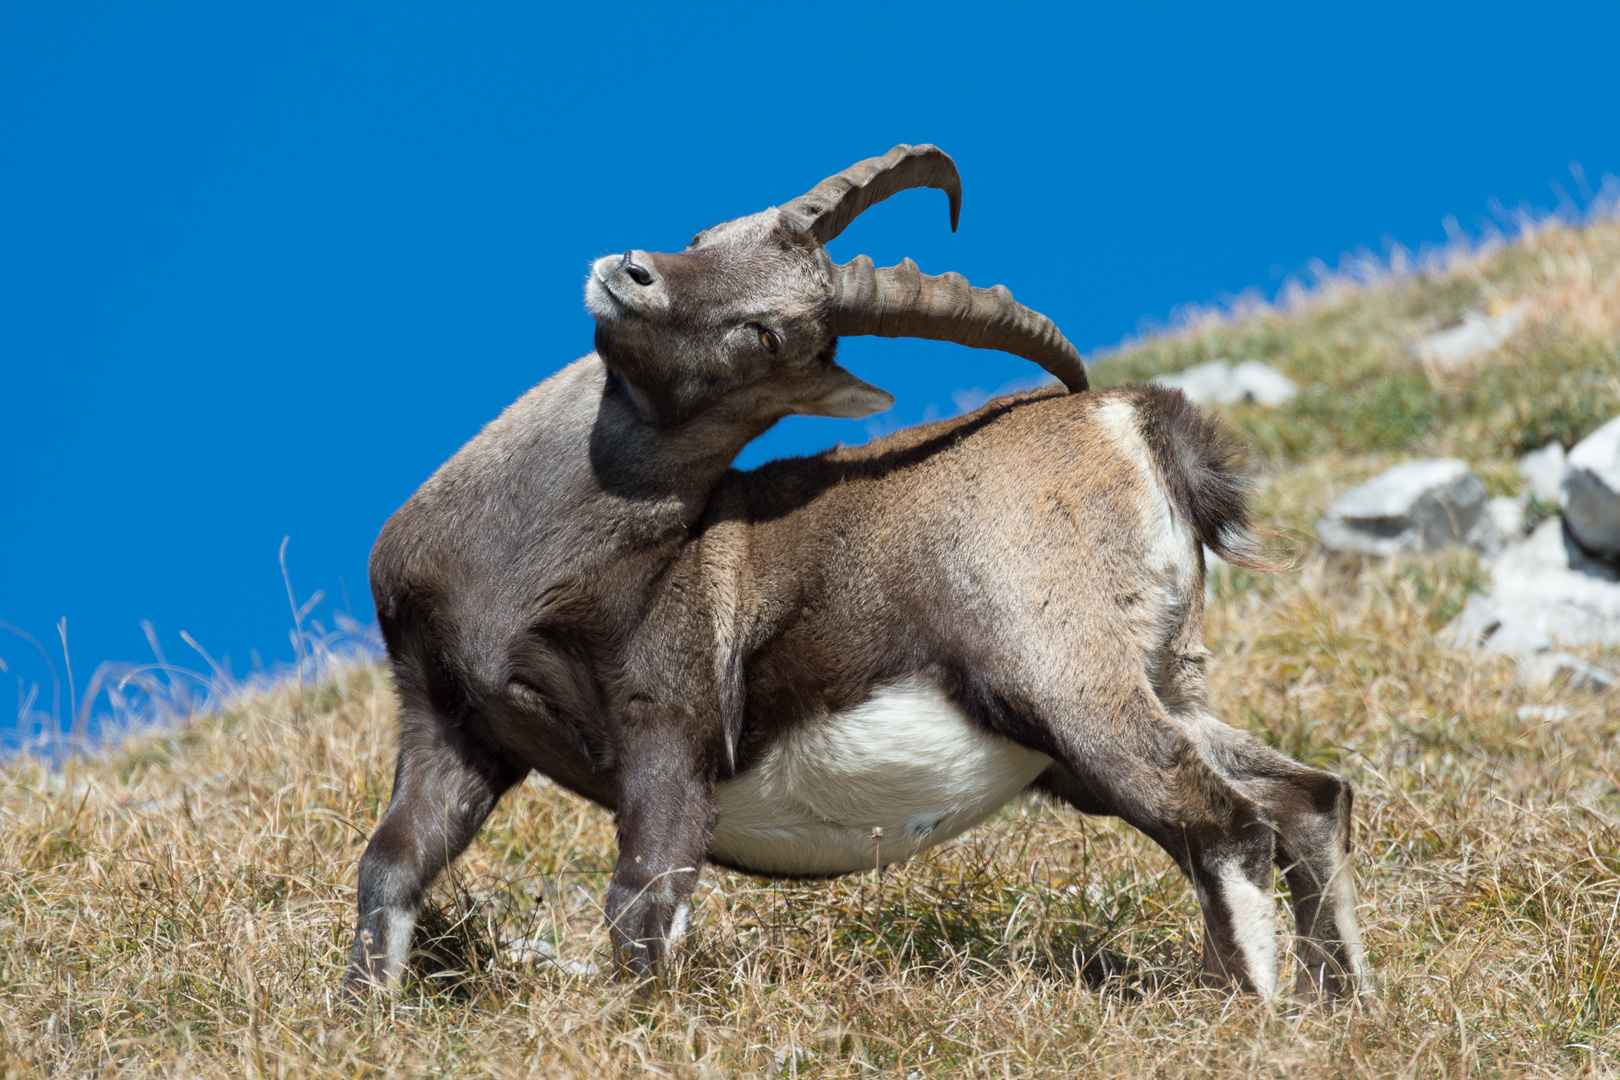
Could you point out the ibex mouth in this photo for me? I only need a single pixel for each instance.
(601, 299)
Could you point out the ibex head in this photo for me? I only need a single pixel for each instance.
(751, 312)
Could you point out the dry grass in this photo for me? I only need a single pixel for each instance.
(1363, 392)
(181, 905)
(184, 906)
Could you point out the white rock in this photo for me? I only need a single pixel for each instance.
(1474, 625)
(1418, 506)
(1548, 714)
(1543, 668)
(1503, 524)
(1543, 471)
(1219, 383)
(1550, 550)
(1262, 385)
(1479, 333)
(1545, 594)
(535, 950)
(1590, 498)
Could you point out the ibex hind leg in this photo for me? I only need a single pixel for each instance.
(1311, 811)
(1138, 764)
(444, 788)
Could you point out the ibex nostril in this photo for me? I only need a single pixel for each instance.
(638, 274)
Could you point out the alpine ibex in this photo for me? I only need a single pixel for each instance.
(762, 669)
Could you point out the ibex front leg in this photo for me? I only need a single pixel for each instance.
(443, 791)
(666, 813)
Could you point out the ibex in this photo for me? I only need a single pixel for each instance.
(838, 661)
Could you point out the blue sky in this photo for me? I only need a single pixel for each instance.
(263, 268)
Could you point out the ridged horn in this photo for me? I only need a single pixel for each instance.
(902, 301)
(827, 209)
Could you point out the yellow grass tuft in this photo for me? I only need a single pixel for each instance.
(1575, 283)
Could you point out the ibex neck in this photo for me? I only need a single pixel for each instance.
(636, 458)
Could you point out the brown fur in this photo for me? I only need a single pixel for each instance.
(588, 590)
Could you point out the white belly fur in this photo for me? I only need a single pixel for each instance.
(906, 761)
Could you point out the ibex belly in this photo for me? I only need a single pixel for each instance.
(898, 774)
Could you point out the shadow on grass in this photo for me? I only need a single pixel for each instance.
(458, 955)
(455, 955)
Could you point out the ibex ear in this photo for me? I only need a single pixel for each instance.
(846, 397)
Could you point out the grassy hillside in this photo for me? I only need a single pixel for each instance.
(181, 905)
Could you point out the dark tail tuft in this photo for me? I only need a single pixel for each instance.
(1198, 463)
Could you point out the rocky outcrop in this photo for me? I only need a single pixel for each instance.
(1557, 589)
(1590, 498)
(1547, 595)
(1220, 383)
(1507, 518)
(1480, 332)
(1547, 591)
(1543, 472)
(1556, 666)
(1414, 507)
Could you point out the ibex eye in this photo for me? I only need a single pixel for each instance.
(769, 339)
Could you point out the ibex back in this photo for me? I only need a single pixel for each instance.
(829, 662)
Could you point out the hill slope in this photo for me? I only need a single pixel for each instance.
(181, 904)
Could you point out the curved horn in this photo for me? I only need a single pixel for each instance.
(828, 208)
(902, 301)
